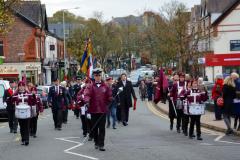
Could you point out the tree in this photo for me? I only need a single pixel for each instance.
(69, 17)
(6, 16)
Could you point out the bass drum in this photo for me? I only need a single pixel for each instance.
(23, 111)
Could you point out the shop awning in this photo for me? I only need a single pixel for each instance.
(8, 75)
(223, 59)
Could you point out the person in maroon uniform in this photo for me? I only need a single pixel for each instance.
(39, 108)
(196, 97)
(178, 94)
(29, 100)
(98, 95)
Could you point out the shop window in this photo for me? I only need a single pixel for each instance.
(1, 48)
(235, 45)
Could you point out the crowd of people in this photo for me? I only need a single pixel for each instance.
(101, 104)
(226, 96)
(95, 101)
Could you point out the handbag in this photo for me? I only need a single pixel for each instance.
(220, 101)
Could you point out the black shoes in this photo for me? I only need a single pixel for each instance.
(125, 123)
(90, 139)
(229, 132)
(96, 146)
(102, 149)
(199, 138)
(26, 143)
(114, 128)
(178, 131)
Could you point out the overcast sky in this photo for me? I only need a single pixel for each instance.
(110, 8)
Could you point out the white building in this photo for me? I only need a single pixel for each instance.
(51, 50)
(225, 42)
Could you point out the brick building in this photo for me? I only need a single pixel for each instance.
(23, 48)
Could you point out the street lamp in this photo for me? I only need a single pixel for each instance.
(64, 39)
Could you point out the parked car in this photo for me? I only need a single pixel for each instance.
(43, 92)
(117, 73)
(3, 107)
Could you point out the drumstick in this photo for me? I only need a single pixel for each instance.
(174, 107)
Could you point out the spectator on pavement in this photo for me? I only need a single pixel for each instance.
(216, 93)
(229, 93)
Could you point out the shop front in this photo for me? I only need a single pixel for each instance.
(28, 72)
(222, 64)
(8, 73)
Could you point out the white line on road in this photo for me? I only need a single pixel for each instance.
(68, 151)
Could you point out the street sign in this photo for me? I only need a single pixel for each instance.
(201, 60)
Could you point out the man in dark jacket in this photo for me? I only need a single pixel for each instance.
(77, 88)
(7, 98)
(125, 98)
(98, 95)
(57, 100)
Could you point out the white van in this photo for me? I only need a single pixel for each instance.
(3, 86)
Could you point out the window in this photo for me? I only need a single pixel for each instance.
(1, 48)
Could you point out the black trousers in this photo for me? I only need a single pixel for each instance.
(124, 113)
(33, 125)
(84, 124)
(179, 118)
(119, 114)
(185, 123)
(195, 119)
(12, 120)
(57, 117)
(99, 122)
(24, 129)
(65, 115)
(77, 112)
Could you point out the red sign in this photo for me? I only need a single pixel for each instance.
(223, 59)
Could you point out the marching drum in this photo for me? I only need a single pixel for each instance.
(23, 111)
(197, 109)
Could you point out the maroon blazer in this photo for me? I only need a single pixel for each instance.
(98, 97)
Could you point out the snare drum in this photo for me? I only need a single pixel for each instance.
(23, 111)
(197, 109)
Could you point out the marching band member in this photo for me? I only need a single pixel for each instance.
(12, 120)
(185, 110)
(57, 100)
(36, 101)
(24, 123)
(196, 98)
(77, 88)
(178, 94)
(98, 95)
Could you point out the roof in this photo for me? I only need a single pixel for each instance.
(226, 12)
(33, 12)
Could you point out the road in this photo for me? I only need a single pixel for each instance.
(147, 137)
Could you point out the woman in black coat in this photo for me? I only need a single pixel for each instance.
(229, 93)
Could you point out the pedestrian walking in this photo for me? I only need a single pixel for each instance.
(195, 100)
(57, 99)
(142, 90)
(98, 96)
(149, 85)
(125, 98)
(217, 91)
(77, 88)
(113, 106)
(37, 107)
(23, 97)
(229, 93)
(172, 109)
(68, 101)
(12, 120)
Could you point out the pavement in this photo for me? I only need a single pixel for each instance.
(147, 137)
(207, 120)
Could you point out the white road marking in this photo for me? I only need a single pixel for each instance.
(219, 135)
(68, 151)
